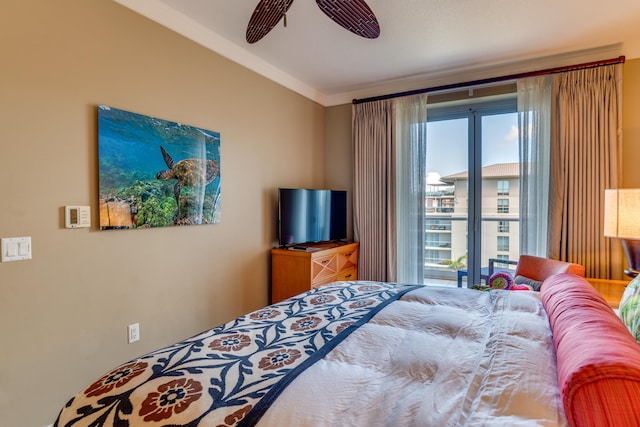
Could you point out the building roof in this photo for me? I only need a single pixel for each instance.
(498, 170)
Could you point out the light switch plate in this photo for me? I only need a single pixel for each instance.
(15, 248)
(77, 216)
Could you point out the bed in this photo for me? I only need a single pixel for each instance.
(384, 354)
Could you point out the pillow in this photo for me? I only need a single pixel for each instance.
(629, 310)
(516, 287)
(533, 284)
(598, 360)
(500, 280)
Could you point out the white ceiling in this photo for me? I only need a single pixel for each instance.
(423, 43)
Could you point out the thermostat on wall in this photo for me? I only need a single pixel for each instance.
(77, 216)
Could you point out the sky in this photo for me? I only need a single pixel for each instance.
(447, 144)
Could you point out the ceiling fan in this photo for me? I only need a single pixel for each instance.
(354, 15)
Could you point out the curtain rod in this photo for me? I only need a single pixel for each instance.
(555, 70)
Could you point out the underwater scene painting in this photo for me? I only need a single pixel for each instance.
(156, 173)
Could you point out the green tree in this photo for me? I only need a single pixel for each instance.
(456, 264)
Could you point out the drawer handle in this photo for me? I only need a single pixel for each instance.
(347, 255)
(347, 276)
(325, 261)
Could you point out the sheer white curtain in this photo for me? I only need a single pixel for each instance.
(411, 162)
(534, 130)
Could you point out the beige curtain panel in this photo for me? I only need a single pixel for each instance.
(586, 141)
(374, 189)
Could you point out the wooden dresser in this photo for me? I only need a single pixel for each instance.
(294, 271)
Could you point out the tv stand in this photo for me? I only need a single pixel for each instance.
(294, 270)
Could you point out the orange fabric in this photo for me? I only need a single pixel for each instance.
(600, 404)
(539, 269)
(598, 359)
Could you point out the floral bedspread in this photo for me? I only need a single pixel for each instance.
(229, 375)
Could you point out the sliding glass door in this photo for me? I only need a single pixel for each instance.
(500, 192)
(446, 211)
(471, 206)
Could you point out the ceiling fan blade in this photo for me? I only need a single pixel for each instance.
(266, 15)
(354, 15)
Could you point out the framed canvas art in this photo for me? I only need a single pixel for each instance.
(156, 173)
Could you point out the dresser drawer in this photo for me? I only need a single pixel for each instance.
(348, 274)
(323, 267)
(324, 281)
(347, 258)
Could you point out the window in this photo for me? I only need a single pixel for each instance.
(503, 188)
(503, 205)
(467, 163)
(434, 257)
(447, 205)
(436, 242)
(503, 243)
(442, 225)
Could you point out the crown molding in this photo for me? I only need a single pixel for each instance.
(159, 12)
(162, 14)
(466, 74)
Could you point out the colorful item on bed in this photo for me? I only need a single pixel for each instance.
(500, 280)
(629, 310)
(230, 374)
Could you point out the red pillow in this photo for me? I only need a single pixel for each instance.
(598, 359)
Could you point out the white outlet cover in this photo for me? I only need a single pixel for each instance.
(133, 332)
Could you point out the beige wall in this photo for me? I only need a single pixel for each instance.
(631, 124)
(64, 314)
(339, 152)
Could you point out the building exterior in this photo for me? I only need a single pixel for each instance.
(446, 224)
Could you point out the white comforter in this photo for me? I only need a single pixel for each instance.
(437, 357)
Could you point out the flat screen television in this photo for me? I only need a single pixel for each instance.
(310, 216)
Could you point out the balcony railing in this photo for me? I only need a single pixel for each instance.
(439, 227)
(431, 209)
(437, 245)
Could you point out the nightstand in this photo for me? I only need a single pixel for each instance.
(611, 290)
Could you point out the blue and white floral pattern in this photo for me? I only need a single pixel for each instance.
(229, 375)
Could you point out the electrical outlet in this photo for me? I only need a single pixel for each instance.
(134, 332)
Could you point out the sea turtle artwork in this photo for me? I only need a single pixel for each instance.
(156, 173)
(188, 173)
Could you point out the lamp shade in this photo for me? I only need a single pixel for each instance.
(622, 213)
